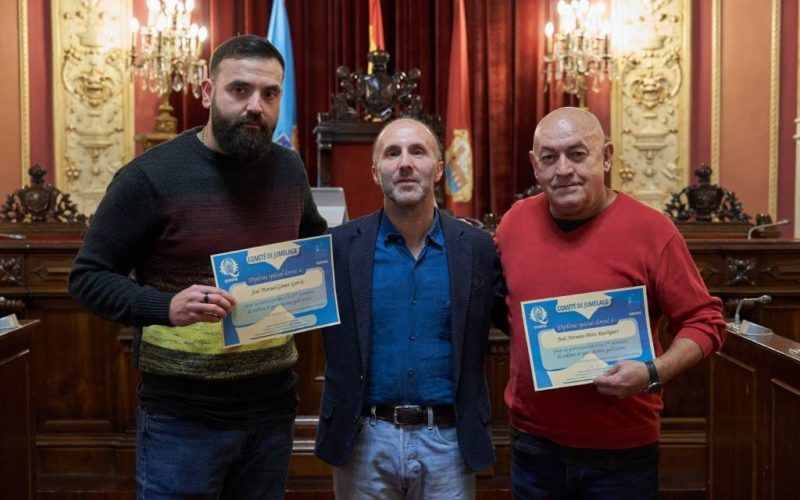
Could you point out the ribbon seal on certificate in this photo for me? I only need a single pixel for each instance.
(574, 338)
(280, 289)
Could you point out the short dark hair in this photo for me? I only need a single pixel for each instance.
(245, 47)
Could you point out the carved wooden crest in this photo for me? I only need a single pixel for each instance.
(38, 202)
(378, 96)
(705, 202)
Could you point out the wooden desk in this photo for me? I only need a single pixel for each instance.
(733, 269)
(85, 387)
(82, 379)
(754, 430)
(17, 452)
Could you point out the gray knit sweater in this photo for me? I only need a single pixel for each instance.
(162, 217)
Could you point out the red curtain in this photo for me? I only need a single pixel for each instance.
(504, 38)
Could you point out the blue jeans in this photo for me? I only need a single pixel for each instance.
(181, 458)
(404, 462)
(541, 472)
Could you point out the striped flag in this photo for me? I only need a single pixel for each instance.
(280, 36)
(458, 155)
(375, 29)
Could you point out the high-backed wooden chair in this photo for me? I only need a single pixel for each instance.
(358, 113)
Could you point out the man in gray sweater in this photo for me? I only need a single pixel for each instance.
(212, 422)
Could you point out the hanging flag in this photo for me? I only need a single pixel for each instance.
(280, 36)
(458, 136)
(375, 29)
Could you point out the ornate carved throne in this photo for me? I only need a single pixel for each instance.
(358, 112)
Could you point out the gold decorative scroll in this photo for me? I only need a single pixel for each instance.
(92, 96)
(651, 99)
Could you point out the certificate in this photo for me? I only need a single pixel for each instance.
(280, 289)
(574, 338)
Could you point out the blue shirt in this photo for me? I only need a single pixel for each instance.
(410, 348)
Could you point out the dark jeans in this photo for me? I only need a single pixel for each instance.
(181, 458)
(541, 469)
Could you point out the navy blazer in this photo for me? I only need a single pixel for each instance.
(474, 278)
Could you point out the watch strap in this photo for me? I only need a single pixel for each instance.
(652, 372)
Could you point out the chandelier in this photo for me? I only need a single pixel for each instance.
(169, 48)
(580, 49)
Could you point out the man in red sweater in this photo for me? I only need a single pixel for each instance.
(597, 440)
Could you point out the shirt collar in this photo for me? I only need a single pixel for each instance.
(387, 232)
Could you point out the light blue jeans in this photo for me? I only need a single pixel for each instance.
(404, 462)
(181, 458)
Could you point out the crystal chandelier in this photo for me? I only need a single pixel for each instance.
(580, 49)
(169, 52)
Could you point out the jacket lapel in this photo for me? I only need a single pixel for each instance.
(361, 255)
(459, 262)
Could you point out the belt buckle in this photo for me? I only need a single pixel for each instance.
(404, 410)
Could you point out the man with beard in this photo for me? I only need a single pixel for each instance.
(405, 409)
(212, 422)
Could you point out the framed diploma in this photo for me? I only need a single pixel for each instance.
(574, 338)
(281, 289)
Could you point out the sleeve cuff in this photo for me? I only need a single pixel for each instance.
(152, 308)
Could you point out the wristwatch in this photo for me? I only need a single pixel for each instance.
(655, 382)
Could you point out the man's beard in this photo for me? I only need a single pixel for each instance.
(237, 139)
(403, 197)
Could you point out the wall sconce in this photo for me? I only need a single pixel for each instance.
(579, 50)
(169, 54)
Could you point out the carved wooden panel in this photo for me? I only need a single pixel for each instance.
(785, 439)
(11, 271)
(733, 269)
(733, 411)
(49, 271)
(75, 392)
(755, 409)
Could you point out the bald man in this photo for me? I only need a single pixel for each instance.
(598, 440)
(405, 408)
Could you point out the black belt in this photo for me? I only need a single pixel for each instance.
(443, 415)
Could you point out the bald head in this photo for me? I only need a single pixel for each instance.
(579, 122)
(390, 128)
(570, 159)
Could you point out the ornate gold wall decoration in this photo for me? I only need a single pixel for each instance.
(651, 98)
(92, 96)
(24, 88)
(774, 109)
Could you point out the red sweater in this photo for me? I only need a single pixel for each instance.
(627, 244)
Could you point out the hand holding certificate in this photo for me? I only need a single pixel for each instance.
(574, 338)
(283, 288)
